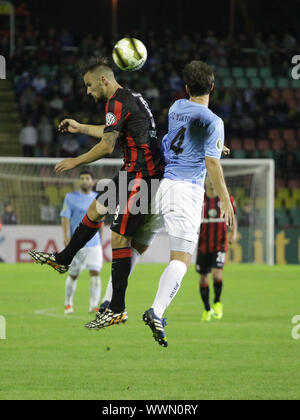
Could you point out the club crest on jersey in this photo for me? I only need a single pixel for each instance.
(111, 119)
(212, 213)
(219, 145)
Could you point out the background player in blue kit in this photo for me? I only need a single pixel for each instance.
(192, 147)
(90, 257)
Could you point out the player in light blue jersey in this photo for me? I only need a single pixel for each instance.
(91, 256)
(192, 147)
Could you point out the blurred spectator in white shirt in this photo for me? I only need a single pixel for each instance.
(28, 139)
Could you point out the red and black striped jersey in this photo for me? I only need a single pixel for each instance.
(213, 232)
(129, 114)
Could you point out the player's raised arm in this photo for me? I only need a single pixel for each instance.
(216, 175)
(105, 147)
(72, 126)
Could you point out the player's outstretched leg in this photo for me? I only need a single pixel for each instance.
(106, 318)
(157, 327)
(48, 259)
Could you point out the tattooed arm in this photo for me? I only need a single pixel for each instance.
(105, 147)
(72, 126)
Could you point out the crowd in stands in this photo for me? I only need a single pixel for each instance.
(49, 89)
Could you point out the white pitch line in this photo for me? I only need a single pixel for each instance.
(49, 312)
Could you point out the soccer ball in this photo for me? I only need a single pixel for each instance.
(129, 54)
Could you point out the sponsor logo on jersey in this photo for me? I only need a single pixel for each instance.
(110, 119)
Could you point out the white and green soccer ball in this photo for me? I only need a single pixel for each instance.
(130, 54)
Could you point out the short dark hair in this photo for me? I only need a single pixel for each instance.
(92, 64)
(199, 77)
(86, 173)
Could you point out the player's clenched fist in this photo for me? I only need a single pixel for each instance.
(65, 165)
(69, 126)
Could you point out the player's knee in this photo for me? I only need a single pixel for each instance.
(184, 257)
(94, 273)
(93, 212)
(119, 241)
(218, 278)
(204, 281)
(141, 249)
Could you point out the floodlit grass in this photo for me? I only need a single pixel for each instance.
(250, 354)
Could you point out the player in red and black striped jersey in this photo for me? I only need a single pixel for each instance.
(130, 115)
(129, 122)
(212, 248)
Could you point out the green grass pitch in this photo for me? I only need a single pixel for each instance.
(250, 354)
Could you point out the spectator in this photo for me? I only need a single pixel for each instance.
(39, 83)
(9, 217)
(28, 139)
(69, 147)
(45, 134)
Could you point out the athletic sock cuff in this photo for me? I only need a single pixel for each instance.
(93, 225)
(118, 254)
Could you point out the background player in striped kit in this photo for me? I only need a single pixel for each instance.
(90, 257)
(212, 248)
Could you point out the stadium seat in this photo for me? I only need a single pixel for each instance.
(241, 83)
(52, 194)
(296, 193)
(227, 82)
(249, 144)
(269, 154)
(295, 84)
(263, 144)
(255, 83)
(278, 203)
(223, 72)
(290, 203)
(281, 217)
(237, 72)
(251, 72)
(274, 134)
(270, 82)
(235, 144)
(265, 72)
(283, 193)
(298, 134)
(283, 83)
(239, 154)
(295, 215)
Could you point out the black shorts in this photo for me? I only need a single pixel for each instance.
(129, 199)
(205, 262)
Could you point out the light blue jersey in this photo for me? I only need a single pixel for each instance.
(194, 133)
(75, 206)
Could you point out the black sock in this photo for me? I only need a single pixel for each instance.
(204, 292)
(218, 285)
(84, 233)
(121, 266)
